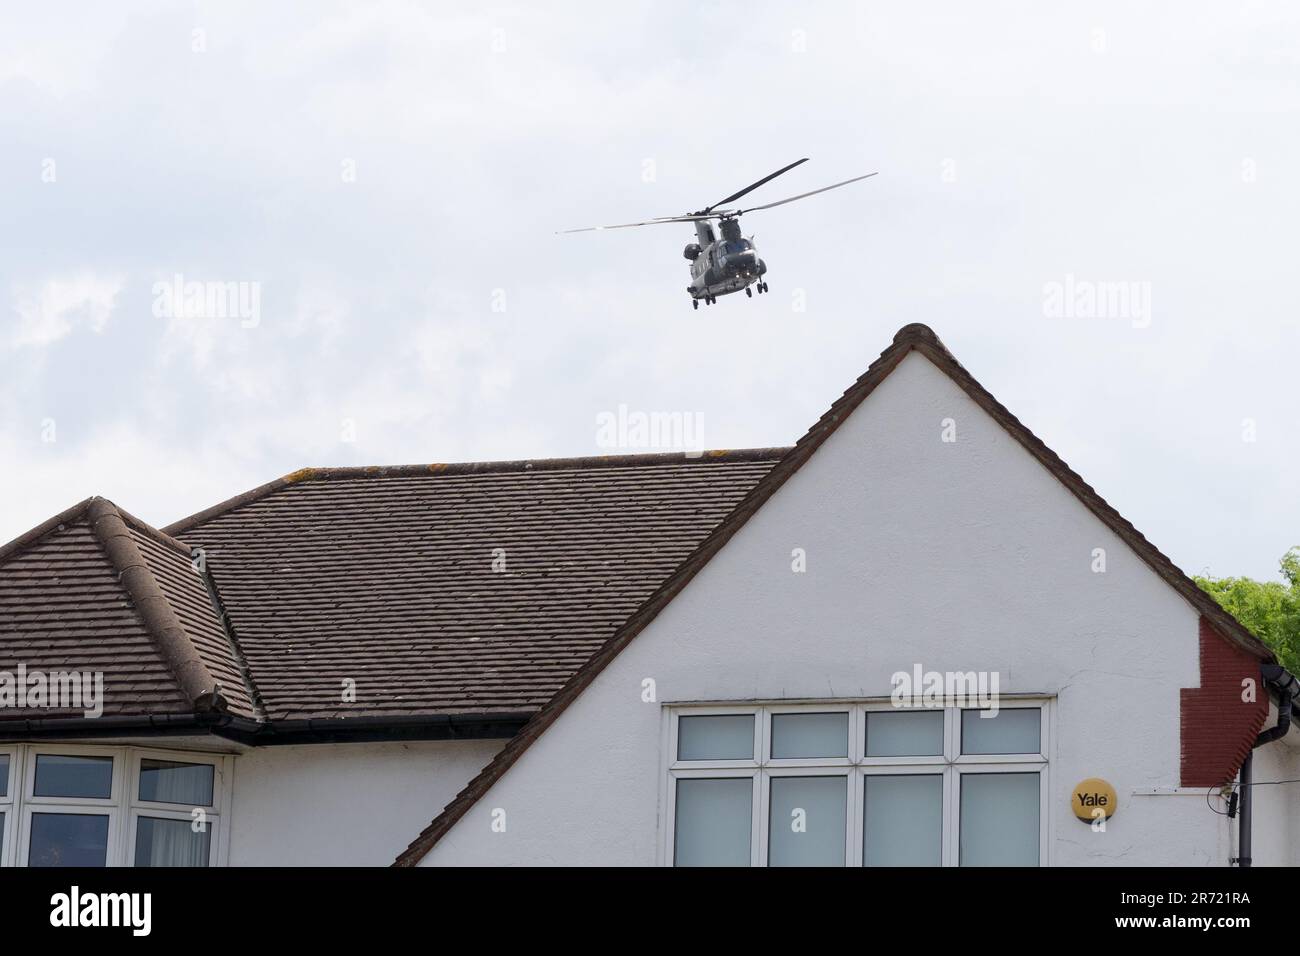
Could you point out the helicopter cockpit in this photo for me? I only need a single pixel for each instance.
(734, 250)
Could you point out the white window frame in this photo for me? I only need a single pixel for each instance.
(844, 773)
(83, 806)
(950, 765)
(138, 808)
(952, 793)
(123, 808)
(716, 774)
(9, 805)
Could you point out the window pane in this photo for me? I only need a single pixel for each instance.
(904, 733)
(807, 824)
(903, 820)
(60, 776)
(716, 737)
(165, 781)
(4, 775)
(68, 839)
(713, 822)
(1013, 731)
(810, 735)
(999, 819)
(170, 843)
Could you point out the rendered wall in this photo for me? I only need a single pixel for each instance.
(343, 804)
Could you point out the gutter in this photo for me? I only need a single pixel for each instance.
(326, 730)
(254, 733)
(160, 724)
(1287, 688)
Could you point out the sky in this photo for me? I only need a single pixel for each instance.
(1093, 205)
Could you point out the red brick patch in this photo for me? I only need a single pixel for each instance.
(1217, 727)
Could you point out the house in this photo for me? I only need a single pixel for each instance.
(915, 638)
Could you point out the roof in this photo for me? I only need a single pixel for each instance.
(435, 590)
(915, 337)
(452, 589)
(96, 590)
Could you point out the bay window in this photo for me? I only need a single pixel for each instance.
(857, 784)
(110, 806)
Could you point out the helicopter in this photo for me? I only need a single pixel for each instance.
(727, 263)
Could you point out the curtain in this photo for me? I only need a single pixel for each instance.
(164, 781)
(160, 842)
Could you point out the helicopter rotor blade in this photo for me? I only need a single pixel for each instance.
(752, 186)
(782, 202)
(629, 225)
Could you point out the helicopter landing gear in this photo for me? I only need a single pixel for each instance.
(762, 287)
(749, 294)
(695, 304)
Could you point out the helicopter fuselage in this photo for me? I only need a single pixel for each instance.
(722, 264)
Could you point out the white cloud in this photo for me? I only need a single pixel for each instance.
(49, 310)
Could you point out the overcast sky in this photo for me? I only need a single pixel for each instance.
(388, 178)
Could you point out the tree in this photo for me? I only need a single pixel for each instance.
(1269, 609)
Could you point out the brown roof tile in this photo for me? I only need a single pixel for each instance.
(95, 590)
(389, 577)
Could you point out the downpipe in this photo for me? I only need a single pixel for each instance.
(1279, 679)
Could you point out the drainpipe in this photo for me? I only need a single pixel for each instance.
(1243, 822)
(1279, 679)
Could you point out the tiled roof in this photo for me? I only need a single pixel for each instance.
(188, 594)
(451, 589)
(388, 594)
(95, 590)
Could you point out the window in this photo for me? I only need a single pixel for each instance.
(857, 784)
(171, 814)
(59, 775)
(110, 806)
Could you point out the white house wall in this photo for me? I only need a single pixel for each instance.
(956, 556)
(343, 804)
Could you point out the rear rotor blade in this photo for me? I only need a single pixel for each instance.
(782, 202)
(629, 225)
(752, 186)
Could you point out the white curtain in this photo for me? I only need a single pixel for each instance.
(160, 842)
(162, 781)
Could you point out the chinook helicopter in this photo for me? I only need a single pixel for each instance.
(721, 265)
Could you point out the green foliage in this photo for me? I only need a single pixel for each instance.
(1269, 609)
